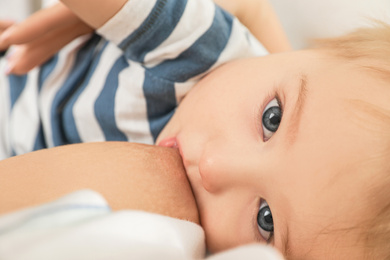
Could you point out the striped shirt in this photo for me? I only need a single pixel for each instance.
(124, 82)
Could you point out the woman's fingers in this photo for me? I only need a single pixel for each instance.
(27, 56)
(37, 25)
(4, 25)
(39, 37)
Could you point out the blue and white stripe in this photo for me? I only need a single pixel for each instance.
(125, 83)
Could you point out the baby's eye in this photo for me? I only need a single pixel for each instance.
(271, 118)
(265, 221)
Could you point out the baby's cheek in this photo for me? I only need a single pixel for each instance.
(226, 226)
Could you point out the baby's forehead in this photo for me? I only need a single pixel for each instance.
(356, 82)
(365, 72)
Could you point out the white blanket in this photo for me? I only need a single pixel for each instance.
(81, 225)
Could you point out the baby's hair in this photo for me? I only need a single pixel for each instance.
(365, 44)
(370, 48)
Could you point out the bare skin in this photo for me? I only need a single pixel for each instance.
(129, 176)
(260, 18)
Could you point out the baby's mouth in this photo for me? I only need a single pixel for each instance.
(170, 142)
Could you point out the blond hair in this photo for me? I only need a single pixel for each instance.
(370, 48)
(369, 45)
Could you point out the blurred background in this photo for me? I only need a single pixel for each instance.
(302, 19)
(307, 19)
(17, 9)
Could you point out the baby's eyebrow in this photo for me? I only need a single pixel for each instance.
(292, 132)
(298, 107)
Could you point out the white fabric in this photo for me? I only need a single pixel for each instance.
(21, 138)
(81, 226)
(248, 252)
(88, 125)
(194, 28)
(137, 10)
(5, 147)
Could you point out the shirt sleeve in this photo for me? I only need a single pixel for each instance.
(176, 39)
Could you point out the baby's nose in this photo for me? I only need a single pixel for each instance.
(221, 170)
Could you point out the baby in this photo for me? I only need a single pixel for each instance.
(305, 137)
(289, 149)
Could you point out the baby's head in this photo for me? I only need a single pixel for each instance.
(369, 48)
(293, 149)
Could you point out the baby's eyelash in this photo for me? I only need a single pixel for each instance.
(260, 110)
(255, 229)
(278, 99)
(257, 237)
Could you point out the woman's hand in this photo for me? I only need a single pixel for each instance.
(39, 37)
(4, 25)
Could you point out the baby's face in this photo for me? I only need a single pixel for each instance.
(273, 147)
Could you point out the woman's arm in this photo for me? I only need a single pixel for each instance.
(261, 19)
(129, 176)
(95, 12)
